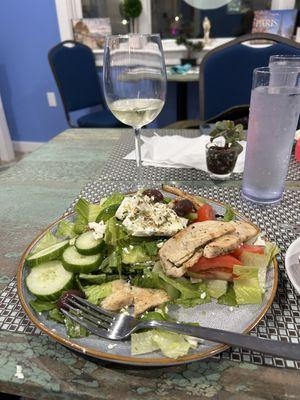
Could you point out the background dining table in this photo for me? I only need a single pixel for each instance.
(36, 191)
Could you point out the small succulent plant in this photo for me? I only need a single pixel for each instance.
(231, 133)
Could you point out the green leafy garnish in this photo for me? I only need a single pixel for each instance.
(109, 207)
(75, 330)
(40, 305)
(56, 315)
(107, 213)
(229, 214)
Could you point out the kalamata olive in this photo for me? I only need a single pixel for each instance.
(154, 194)
(64, 298)
(183, 207)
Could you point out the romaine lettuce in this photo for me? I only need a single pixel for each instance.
(248, 291)
(88, 212)
(229, 297)
(246, 284)
(229, 214)
(95, 293)
(90, 278)
(216, 288)
(114, 232)
(65, 229)
(271, 250)
(75, 330)
(40, 305)
(191, 294)
(56, 315)
(171, 344)
(47, 240)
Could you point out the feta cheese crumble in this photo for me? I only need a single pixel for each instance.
(203, 295)
(19, 372)
(98, 228)
(142, 217)
(260, 241)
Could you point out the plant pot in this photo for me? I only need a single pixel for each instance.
(192, 61)
(220, 161)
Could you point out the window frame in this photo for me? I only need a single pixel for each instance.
(72, 9)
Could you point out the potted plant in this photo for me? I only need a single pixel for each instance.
(131, 9)
(183, 32)
(221, 156)
(191, 48)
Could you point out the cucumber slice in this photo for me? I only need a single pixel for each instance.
(76, 262)
(48, 254)
(48, 280)
(86, 244)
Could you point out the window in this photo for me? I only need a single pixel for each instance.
(233, 19)
(165, 17)
(106, 9)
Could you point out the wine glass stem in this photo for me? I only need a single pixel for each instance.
(137, 139)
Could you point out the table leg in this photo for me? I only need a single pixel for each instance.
(182, 100)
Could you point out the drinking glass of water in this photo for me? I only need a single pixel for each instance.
(134, 81)
(281, 60)
(281, 63)
(274, 113)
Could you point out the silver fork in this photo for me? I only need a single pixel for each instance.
(110, 325)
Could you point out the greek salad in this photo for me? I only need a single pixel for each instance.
(141, 253)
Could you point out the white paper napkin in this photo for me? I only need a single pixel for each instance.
(178, 152)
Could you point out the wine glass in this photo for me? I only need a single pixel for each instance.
(134, 81)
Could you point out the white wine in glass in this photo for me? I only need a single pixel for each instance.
(134, 81)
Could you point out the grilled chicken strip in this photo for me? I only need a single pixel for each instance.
(197, 203)
(227, 243)
(121, 296)
(223, 245)
(245, 230)
(144, 299)
(125, 295)
(177, 251)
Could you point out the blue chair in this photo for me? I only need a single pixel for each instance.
(226, 73)
(75, 73)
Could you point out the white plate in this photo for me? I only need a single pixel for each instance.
(292, 264)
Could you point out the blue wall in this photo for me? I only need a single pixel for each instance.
(28, 29)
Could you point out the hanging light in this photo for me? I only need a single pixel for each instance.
(207, 4)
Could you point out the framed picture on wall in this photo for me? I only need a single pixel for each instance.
(278, 22)
(91, 31)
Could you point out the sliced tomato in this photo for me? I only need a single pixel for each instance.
(204, 263)
(223, 274)
(249, 248)
(206, 213)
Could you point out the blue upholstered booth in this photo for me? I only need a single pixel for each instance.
(226, 72)
(74, 69)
